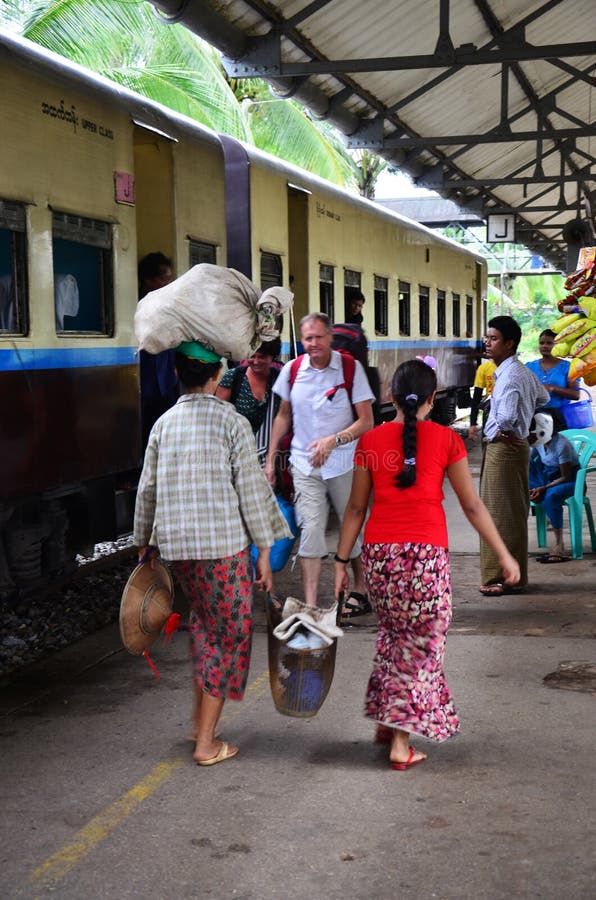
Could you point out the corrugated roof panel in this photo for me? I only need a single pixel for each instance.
(435, 101)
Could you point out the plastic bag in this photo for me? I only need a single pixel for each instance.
(280, 552)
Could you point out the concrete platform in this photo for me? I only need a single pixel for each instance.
(100, 797)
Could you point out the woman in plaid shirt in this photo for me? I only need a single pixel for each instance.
(201, 501)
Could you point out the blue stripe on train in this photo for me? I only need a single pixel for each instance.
(409, 344)
(12, 360)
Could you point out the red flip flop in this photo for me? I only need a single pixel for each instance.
(402, 766)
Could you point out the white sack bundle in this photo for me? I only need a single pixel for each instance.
(219, 307)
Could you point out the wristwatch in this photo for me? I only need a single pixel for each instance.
(338, 440)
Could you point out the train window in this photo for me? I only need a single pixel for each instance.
(13, 269)
(441, 314)
(455, 315)
(352, 285)
(83, 275)
(201, 252)
(404, 307)
(424, 309)
(469, 316)
(271, 270)
(381, 312)
(326, 291)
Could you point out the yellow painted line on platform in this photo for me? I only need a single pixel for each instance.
(59, 864)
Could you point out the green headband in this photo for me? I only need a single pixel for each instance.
(195, 350)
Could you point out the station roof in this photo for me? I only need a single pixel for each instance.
(432, 211)
(489, 102)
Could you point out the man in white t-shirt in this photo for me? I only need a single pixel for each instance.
(327, 423)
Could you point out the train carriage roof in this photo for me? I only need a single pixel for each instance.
(489, 102)
(176, 126)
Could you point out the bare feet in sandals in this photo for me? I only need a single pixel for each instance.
(413, 758)
(353, 607)
(402, 756)
(217, 752)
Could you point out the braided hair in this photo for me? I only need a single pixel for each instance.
(413, 383)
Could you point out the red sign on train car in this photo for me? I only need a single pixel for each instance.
(124, 188)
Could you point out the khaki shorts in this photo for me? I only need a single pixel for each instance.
(312, 496)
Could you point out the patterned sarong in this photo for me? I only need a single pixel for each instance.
(410, 587)
(505, 492)
(220, 623)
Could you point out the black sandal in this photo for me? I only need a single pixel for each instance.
(353, 606)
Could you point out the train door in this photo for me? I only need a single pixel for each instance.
(298, 250)
(481, 305)
(154, 194)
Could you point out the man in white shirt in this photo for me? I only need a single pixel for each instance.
(327, 423)
(504, 486)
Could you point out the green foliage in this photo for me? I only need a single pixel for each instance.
(532, 301)
(126, 42)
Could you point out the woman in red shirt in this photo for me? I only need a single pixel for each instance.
(406, 560)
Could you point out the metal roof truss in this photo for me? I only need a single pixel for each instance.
(521, 81)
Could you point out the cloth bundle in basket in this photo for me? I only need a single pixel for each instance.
(320, 622)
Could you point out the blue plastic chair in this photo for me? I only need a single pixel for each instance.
(584, 443)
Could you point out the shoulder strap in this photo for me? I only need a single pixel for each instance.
(349, 370)
(294, 369)
(348, 364)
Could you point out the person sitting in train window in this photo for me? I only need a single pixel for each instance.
(356, 301)
(159, 382)
(7, 322)
(66, 298)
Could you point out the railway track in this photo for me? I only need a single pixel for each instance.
(52, 615)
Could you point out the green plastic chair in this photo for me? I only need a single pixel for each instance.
(584, 443)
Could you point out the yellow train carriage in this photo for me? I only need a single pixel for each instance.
(425, 294)
(92, 178)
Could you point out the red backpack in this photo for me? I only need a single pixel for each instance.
(285, 486)
(348, 371)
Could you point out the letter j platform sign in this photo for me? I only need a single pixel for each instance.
(500, 229)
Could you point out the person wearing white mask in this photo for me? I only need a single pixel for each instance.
(554, 465)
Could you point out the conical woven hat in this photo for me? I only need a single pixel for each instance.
(146, 605)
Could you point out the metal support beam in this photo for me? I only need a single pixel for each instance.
(518, 210)
(257, 65)
(355, 141)
(444, 43)
(500, 182)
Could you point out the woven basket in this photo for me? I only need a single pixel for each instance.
(299, 679)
